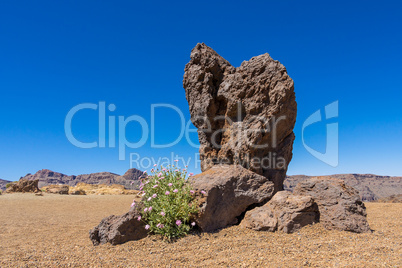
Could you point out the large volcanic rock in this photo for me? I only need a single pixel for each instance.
(339, 204)
(229, 191)
(23, 186)
(244, 115)
(284, 212)
(118, 229)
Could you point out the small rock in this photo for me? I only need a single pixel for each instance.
(118, 229)
(78, 192)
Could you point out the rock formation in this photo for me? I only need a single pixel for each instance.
(339, 205)
(284, 212)
(3, 184)
(100, 189)
(244, 115)
(76, 191)
(371, 187)
(56, 189)
(47, 177)
(245, 118)
(396, 198)
(229, 191)
(130, 179)
(118, 229)
(23, 186)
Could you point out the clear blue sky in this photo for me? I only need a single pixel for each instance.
(55, 55)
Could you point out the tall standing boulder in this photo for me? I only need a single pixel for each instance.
(245, 115)
(339, 204)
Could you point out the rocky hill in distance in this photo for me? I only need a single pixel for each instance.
(130, 180)
(3, 184)
(371, 187)
(397, 198)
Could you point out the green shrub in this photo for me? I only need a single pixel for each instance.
(168, 202)
(9, 184)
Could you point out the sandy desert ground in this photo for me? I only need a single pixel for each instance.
(52, 231)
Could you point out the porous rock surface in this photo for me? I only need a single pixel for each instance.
(284, 212)
(339, 204)
(229, 191)
(244, 115)
(24, 186)
(118, 229)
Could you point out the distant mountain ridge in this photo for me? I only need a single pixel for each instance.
(371, 187)
(130, 180)
(3, 184)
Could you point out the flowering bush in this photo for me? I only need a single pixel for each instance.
(168, 202)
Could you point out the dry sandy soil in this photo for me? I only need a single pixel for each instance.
(52, 231)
